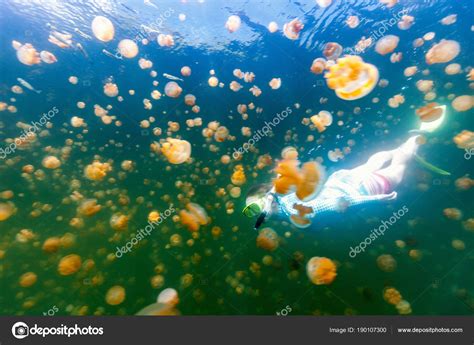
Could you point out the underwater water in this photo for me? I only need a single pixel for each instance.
(45, 209)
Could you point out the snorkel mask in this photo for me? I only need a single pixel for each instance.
(255, 204)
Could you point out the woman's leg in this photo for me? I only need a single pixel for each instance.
(374, 163)
(401, 157)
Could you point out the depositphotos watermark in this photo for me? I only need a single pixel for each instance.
(142, 233)
(378, 33)
(376, 233)
(21, 330)
(469, 153)
(263, 132)
(26, 134)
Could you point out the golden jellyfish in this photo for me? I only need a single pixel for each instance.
(255, 90)
(190, 100)
(386, 44)
(448, 20)
(458, 244)
(304, 180)
(88, 207)
(115, 295)
(28, 55)
(103, 29)
(464, 140)
(238, 73)
(128, 48)
(176, 151)
(452, 213)
(444, 51)
(386, 263)
(418, 42)
(77, 122)
(17, 89)
(424, 85)
(119, 222)
(406, 22)
(185, 71)
(430, 112)
(429, 36)
(392, 295)
(111, 89)
(396, 100)
(48, 57)
(332, 50)
(172, 89)
(28, 279)
(321, 271)
(463, 103)
(292, 29)
(81, 105)
(453, 68)
(193, 217)
(235, 86)
(154, 216)
(324, 3)
(275, 83)
(51, 162)
(213, 81)
(51, 244)
(155, 94)
(144, 63)
(233, 23)
(267, 239)
(168, 296)
(221, 134)
(352, 78)
(97, 171)
(238, 176)
(249, 77)
(318, 66)
(396, 57)
(235, 192)
(69, 264)
(73, 80)
(403, 307)
(299, 220)
(410, 71)
(165, 40)
(273, 27)
(353, 22)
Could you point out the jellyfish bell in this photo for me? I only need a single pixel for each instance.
(176, 151)
(463, 103)
(51, 162)
(275, 83)
(430, 112)
(444, 51)
(273, 27)
(387, 44)
(325, 117)
(332, 50)
(172, 89)
(165, 40)
(128, 49)
(292, 29)
(233, 23)
(213, 81)
(185, 71)
(318, 66)
(321, 271)
(7, 209)
(267, 239)
(353, 22)
(299, 221)
(352, 78)
(48, 57)
(103, 29)
(28, 55)
(111, 89)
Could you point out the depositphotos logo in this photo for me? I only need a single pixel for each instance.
(21, 330)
